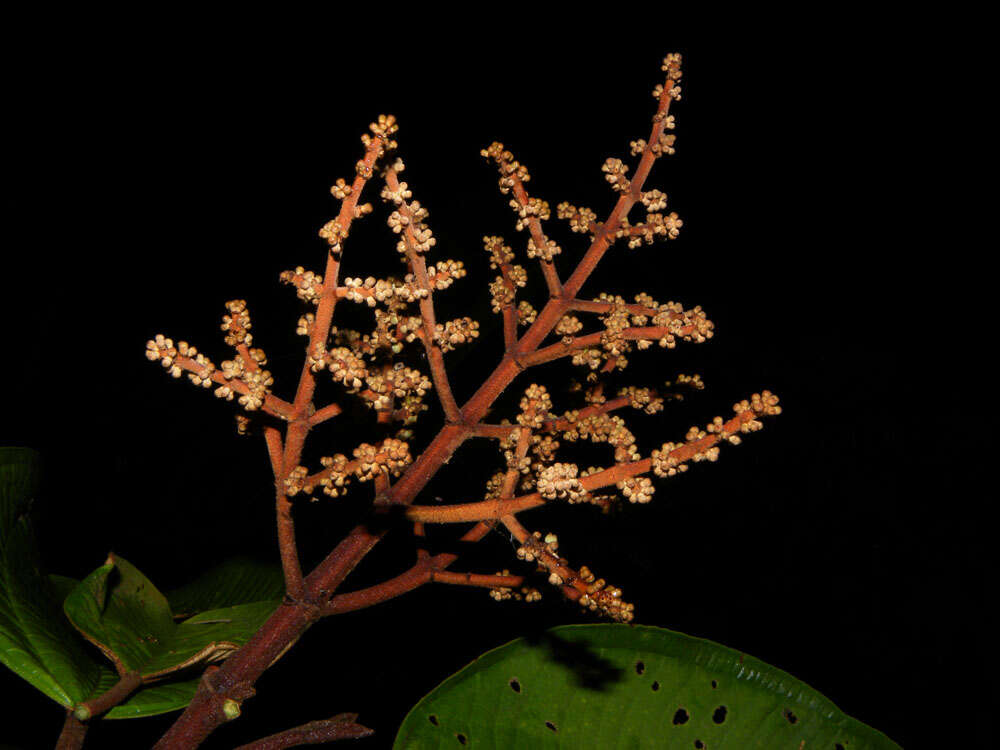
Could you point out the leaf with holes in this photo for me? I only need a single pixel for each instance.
(121, 612)
(620, 686)
(36, 642)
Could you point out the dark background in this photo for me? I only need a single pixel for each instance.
(164, 171)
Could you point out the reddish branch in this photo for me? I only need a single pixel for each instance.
(309, 598)
(340, 727)
(435, 357)
(106, 701)
(73, 733)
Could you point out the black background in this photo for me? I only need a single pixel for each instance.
(163, 171)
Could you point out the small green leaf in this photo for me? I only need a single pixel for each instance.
(236, 581)
(36, 642)
(620, 686)
(120, 611)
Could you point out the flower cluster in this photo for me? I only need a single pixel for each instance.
(408, 219)
(505, 593)
(512, 172)
(375, 366)
(308, 286)
(581, 220)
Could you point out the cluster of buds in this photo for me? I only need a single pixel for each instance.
(548, 250)
(505, 593)
(535, 406)
(237, 325)
(511, 171)
(456, 332)
(559, 482)
(687, 325)
(245, 368)
(383, 129)
(533, 208)
(526, 314)
(702, 444)
(394, 382)
(334, 233)
(308, 285)
(161, 349)
(346, 366)
(581, 220)
(690, 381)
(444, 273)
(336, 476)
(607, 600)
(642, 398)
(603, 428)
(614, 172)
(656, 226)
(637, 489)
(408, 219)
(391, 457)
(537, 548)
(500, 254)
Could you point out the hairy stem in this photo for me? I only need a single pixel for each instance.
(339, 727)
(73, 733)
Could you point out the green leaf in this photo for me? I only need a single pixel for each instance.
(36, 642)
(236, 581)
(158, 698)
(621, 686)
(62, 586)
(121, 612)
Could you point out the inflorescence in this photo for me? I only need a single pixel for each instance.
(373, 365)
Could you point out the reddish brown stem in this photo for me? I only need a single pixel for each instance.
(491, 509)
(73, 733)
(340, 727)
(321, 415)
(434, 355)
(477, 579)
(538, 237)
(233, 681)
(106, 701)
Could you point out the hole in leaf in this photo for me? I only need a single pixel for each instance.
(792, 718)
(462, 739)
(552, 726)
(433, 719)
(715, 684)
(699, 744)
(720, 714)
(838, 746)
(681, 716)
(655, 685)
(515, 685)
(640, 667)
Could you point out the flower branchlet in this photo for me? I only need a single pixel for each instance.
(601, 335)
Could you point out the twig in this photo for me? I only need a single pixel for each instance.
(418, 265)
(106, 701)
(339, 727)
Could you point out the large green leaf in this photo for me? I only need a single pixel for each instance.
(148, 700)
(36, 642)
(120, 611)
(236, 581)
(621, 686)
